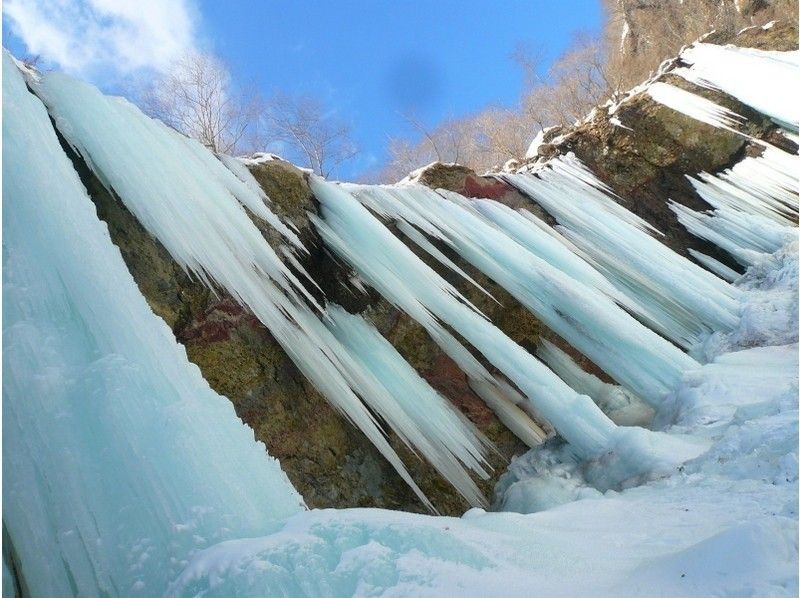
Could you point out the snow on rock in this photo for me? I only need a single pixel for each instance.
(258, 158)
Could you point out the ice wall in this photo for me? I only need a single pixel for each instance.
(198, 209)
(108, 484)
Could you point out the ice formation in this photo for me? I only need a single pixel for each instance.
(395, 271)
(681, 300)
(125, 473)
(157, 174)
(749, 75)
(754, 207)
(589, 320)
(391, 268)
(107, 428)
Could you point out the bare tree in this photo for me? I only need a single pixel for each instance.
(566, 92)
(640, 35)
(198, 98)
(312, 136)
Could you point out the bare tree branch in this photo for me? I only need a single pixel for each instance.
(301, 123)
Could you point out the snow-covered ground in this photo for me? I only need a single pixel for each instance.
(722, 524)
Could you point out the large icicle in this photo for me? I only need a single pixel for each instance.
(531, 232)
(694, 106)
(766, 81)
(755, 207)
(764, 185)
(621, 406)
(108, 488)
(390, 267)
(192, 203)
(682, 299)
(418, 413)
(749, 238)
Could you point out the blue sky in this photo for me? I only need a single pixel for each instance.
(370, 62)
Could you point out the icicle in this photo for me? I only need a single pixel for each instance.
(107, 428)
(392, 269)
(563, 303)
(679, 299)
(766, 81)
(417, 412)
(747, 237)
(420, 241)
(765, 186)
(717, 267)
(511, 413)
(694, 106)
(545, 245)
(190, 202)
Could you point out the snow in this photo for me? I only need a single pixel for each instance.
(533, 148)
(259, 158)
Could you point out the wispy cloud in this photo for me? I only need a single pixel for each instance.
(122, 36)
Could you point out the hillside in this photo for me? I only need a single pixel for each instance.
(583, 366)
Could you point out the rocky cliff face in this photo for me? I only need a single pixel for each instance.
(329, 461)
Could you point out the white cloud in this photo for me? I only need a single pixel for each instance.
(84, 36)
